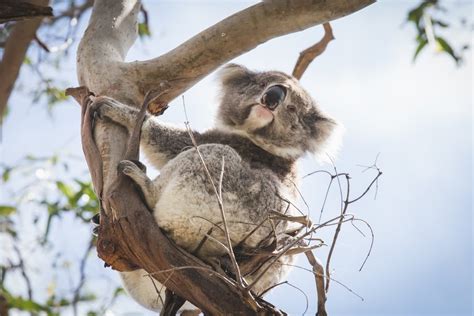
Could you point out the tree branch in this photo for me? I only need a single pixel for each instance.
(14, 10)
(185, 65)
(14, 53)
(308, 55)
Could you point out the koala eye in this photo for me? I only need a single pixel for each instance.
(273, 97)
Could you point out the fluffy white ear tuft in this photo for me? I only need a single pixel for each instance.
(328, 144)
(234, 74)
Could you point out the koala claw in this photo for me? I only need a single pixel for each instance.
(95, 220)
(127, 167)
(99, 107)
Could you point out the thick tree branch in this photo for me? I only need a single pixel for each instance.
(185, 65)
(14, 10)
(14, 53)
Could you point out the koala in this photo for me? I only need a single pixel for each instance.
(266, 121)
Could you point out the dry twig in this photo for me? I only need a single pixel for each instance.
(218, 193)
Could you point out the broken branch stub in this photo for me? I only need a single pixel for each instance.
(307, 56)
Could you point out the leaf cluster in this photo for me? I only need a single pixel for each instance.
(428, 25)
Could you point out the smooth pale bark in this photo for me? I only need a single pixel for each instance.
(111, 32)
(135, 239)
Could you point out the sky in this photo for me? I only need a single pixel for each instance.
(416, 117)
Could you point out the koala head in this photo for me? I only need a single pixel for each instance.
(274, 111)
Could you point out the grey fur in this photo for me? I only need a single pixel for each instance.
(259, 149)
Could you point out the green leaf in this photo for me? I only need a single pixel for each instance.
(444, 46)
(65, 189)
(6, 174)
(143, 30)
(27, 60)
(55, 95)
(421, 45)
(6, 210)
(23, 304)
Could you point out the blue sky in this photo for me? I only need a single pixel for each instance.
(417, 116)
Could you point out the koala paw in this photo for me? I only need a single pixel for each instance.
(128, 167)
(103, 107)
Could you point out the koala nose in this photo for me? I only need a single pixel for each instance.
(273, 97)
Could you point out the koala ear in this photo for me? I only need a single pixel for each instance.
(326, 137)
(233, 74)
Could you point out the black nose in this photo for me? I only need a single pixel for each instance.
(273, 97)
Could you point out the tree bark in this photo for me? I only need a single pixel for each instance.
(14, 54)
(130, 236)
(14, 10)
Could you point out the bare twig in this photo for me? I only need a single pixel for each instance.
(42, 44)
(368, 188)
(318, 271)
(371, 241)
(336, 234)
(209, 270)
(293, 286)
(218, 193)
(82, 277)
(73, 11)
(332, 279)
(279, 255)
(309, 54)
(346, 202)
(21, 266)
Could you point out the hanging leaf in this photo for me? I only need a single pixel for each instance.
(421, 45)
(6, 210)
(445, 47)
(65, 189)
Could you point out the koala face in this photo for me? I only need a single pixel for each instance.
(274, 111)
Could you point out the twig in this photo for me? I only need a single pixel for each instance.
(279, 255)
(42, 44)
(318, 271)
(211, 272)
(336, 234)
(219, 201)
(74, 11)
(371, 241)
(21, 266)
(332, 279)
(309, 54)
(368, 188)
(82, 277)
(293, 286)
